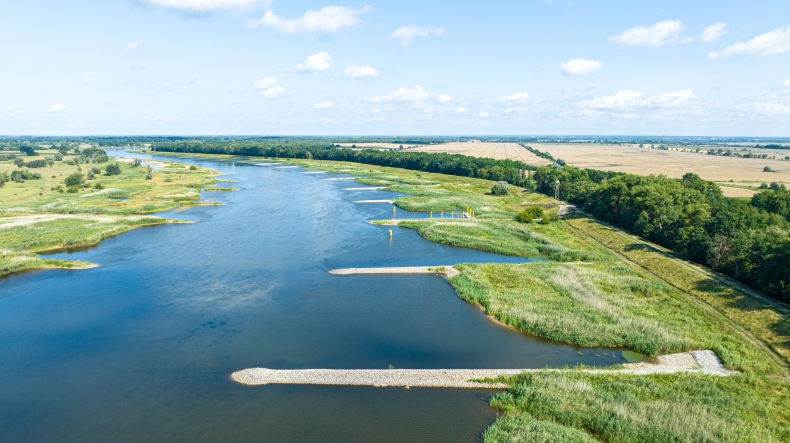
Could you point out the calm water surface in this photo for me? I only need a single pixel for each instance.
(140, 349)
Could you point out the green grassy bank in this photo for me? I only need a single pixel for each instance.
(45, 213)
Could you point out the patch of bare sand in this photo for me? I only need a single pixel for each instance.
(26, 220)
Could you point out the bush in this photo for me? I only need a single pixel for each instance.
(20, 176)
(549, 216)
(500, 188)
(90, 175)
(530, 214)
(168, 179)
(73, 189)
(193, 168)
(59, 157)
(36, 164)
(3, 179)
(113, 169)
(768, 169)
(561, 162)
(19, 162)
(148, 176)
(74, 179)
(98, 185)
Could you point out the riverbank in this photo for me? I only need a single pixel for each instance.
(44, 214)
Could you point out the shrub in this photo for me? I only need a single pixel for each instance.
(561, 162)
(20, 176)
(768, 169)
(3, 179)
(74, 179)
(19, 162)
(73, 189)
(530, 214)
(36, 164)
(168, 179)
(500, 188)
(98, 185)
(148, 176)
(193, 168)
(90, 175)
(113, 169)
(549, 216)
(96, 170)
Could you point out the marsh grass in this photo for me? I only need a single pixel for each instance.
(579, 407)
(508, 237)
(763, 321)
(598, 305)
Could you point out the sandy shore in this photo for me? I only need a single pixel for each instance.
(447, 271)
(704, 362)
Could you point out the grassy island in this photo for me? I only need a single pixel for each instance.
(80, 198)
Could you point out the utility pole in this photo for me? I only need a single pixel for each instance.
(557, 190)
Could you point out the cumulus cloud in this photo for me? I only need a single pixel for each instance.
(324, 105)
(271, 89)
(772, 104)
(666, 32)
(406, 33)
(442, 98)
(354, 71)
(770, 43)
(404, 94)
(320, 61)
(58, 107)
(461, 110)
(629, 100)
(328, 20)
(134, 46)
(512, 100)
(580, 66)
(265, 83)
(786, 83)
(204, 6)
(483, 114)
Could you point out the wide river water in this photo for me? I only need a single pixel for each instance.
(141, 348)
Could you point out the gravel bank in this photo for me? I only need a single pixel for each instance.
(447, 271)
(705, 362)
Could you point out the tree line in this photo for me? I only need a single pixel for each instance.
(747, 240)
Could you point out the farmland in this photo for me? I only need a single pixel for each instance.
(497, 151)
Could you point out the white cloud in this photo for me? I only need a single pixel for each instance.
(134, 46)
(375, 111)
(58, 107)
(404, 94)
(407, 33)
(772, 104)
(516, 110)
(203, 6)
(483, 114)
(89, 80)
(265, 83)
(657, 35)
(273, 93)
(666, 32)
(461, 110)
(711, 33)
(350, 107)
(770, 43)
(442, 98)
(512, 100)
(324, 105)
(328, 20)
(13, 112)
(628, 100)
(786, 83)
(580, 66)
(320, 61)
(354, 71)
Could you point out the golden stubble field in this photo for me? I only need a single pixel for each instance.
(498, 151)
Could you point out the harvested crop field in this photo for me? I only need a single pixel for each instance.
(673, 164)
(498, 151)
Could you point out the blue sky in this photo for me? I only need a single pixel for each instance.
(518, 67)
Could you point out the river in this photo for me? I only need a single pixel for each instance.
(141, 348)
